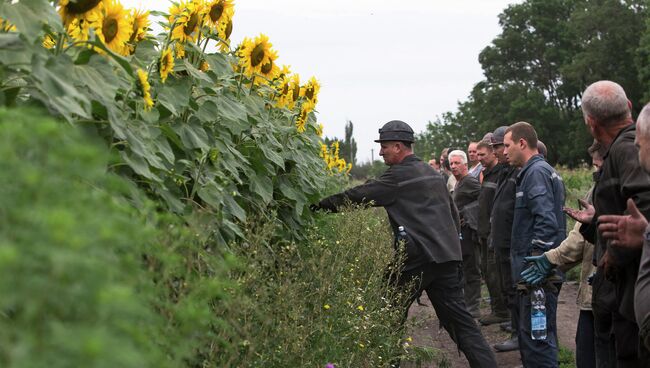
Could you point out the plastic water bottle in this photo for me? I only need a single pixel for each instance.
(538, 314)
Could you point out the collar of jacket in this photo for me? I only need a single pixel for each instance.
(532, 161)
(620, 133)
(409, 158)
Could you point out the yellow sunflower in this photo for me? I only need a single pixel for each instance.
(254, 54)
(269, 71)
(115, 27)
(141, 25)
(301, 121)
(81, 9)
(283, 88)
(219, 11)
(166, 64)
(223, 32)
(294, 88)
(188, 17)
(5, 26)
(319, 130)
(204, 66)
(179, 50)
(49, 42)
(145, 88)
(310, 93)
(78, 29)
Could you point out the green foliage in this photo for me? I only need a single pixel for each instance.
(212, 141)
(536, 69)
(73, 292)
(329, 301)
(566, 358)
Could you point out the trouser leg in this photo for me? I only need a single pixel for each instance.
(626, 338)
(446, 295)
(507, 286)
(472, 285)
(603, 339)
(538, 353)
(493, 282)
(585, 351)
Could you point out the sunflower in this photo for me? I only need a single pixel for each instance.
(302, 120)
(49, 42)
(78, 29)
(283, 87)
(141, 25)
(310, 93)
(204, 66)
(219, 11)
(223, 32)
(145, 88)
(81, 9)
(179, 50)
(187, 17)
(319, 129)
(166, 64)
(294, 89)
(5, 26)
(270, 70)
(115, 27)
(254, 54)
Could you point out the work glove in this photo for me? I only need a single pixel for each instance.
(539, 268)
(314, 207)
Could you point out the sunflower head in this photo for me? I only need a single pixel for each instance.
(310, 92)
(141, 25)
(88, 10)
(179, 50)
(145, 89)
(294, 90)
(186, 18)
(166, 65)
(301, 121)
(5, 26)
(219, 11)
(256, 54)
(115, 27)
(319, 130)
(49, 42)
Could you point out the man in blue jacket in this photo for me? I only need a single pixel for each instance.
(538, 225)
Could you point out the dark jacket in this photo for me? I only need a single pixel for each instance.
(416, 197)
(538, 224)
(503, 207)
(486, 198)
(465, 197)
(621, 177)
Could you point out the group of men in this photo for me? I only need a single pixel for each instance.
(501, 214)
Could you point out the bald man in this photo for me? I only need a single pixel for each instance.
(608, 117)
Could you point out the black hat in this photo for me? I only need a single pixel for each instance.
(396, 130)
(497, 135)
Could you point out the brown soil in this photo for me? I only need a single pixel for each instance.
(425, 332)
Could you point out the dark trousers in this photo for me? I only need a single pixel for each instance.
(490, 273)
(504, 270)
(442, 282)
(538, 353)
(471, 271)
(585, 348)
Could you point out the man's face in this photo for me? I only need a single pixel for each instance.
(485, 156)
(389, 151)
(498, 152)
(642, 141)
(434, 164)
(512, 151)
(471, 152)
(458, 168)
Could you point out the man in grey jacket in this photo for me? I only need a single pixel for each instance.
(415, 198)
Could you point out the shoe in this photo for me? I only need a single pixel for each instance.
(506, 326)
(508, 345)
(493, 319)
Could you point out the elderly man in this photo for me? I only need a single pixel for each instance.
(491, 172)
(474, 165)
(538, 225)
(465, 197)
(415, 197)
(632, 232)
(607, 114)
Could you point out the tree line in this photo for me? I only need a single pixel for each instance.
(535, 70)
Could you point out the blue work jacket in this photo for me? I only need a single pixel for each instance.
(539, 223)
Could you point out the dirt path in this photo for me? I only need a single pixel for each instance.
(425, 332)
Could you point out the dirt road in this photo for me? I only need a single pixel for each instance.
(426, 333)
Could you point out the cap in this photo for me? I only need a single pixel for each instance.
(396, 130)
(487, 138)
(497, 135)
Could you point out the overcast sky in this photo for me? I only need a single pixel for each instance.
(377, 60)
